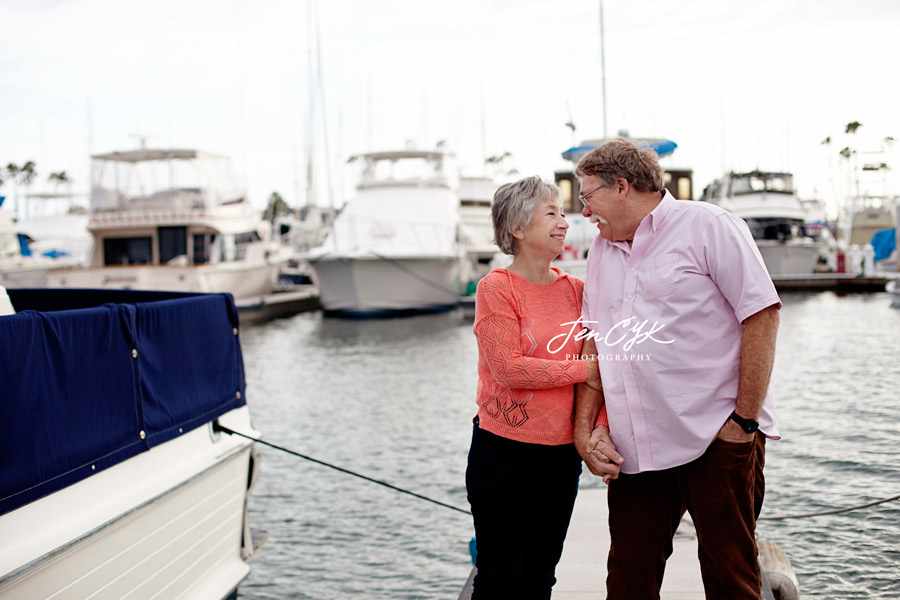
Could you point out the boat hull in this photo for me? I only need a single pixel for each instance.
(383, 286)
(789, 258)
(143, 528)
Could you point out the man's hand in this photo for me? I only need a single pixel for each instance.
(599, 453)
(732, 432)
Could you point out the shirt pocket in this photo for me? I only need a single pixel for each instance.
(659, 276)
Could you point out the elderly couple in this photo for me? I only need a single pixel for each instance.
(674, 422)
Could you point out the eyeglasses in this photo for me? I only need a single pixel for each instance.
(584, 197)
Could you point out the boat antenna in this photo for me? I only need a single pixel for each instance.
(142, 139)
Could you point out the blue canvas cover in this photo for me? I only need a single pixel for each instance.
(84, 389)
(884, 242)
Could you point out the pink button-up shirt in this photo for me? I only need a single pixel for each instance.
(666, 316)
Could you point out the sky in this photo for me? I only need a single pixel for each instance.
(737, 85)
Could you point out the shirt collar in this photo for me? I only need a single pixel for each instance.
(659, 214)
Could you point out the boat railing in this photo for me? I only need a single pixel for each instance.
(185, 199)
(437, 182)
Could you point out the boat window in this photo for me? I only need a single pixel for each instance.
(781, 182)
(241, 241)
(565, 190)
(172, 243)
(201, 249)
(685, 192)
(402, 169)
(751, 183)
(127, 251)
(747, 184)
(228, 248)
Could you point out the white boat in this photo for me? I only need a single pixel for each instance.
(114, 482)
(768, 203)
(174, 220)
(394, 248)
(21, 265)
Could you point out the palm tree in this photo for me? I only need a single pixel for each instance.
(12, 171)
(27, 174)
(59, 178)
(276, 207)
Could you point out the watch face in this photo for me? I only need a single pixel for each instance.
(748, 425)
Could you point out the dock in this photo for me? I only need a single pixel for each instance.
(581, 573)
(278, 304)
(838, 282)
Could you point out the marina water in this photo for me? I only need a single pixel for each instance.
(393, 399)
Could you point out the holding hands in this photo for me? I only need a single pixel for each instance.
(599, 453)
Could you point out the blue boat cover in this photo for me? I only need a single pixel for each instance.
(884, 242)
(660, 146)
(90, 378)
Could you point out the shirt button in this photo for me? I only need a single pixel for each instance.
(633, 269)
(630, 384)
(630, 296)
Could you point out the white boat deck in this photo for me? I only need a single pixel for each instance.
(581, 574)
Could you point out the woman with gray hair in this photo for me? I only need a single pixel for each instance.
(523, 469)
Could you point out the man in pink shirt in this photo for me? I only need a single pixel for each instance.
(683, 318)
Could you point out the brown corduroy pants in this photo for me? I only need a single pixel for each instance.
(723, 492)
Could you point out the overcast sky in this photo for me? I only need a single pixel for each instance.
(737, 85)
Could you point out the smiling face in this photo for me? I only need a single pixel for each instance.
(601, 206)
(613, 208)
(546, 235)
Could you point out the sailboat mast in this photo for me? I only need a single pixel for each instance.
(603, 69)
(310, 184)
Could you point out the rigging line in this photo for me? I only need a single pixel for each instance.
(415, 275)
(219, 427)
(830, 512)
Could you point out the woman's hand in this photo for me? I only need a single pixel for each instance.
(593, 373)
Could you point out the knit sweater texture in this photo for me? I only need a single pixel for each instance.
(527, 366)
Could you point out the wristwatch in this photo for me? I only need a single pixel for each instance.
(748, 425)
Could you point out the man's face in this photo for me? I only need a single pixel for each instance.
(600, 204)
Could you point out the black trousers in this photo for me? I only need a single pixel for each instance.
(522, 497)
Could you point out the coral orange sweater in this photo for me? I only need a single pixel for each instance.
(527, 366)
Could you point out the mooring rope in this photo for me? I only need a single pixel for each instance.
(830, 512)
(397, 264)
(219, 427)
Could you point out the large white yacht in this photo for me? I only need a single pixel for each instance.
(768, 203)
(174, 220)
(394, 248)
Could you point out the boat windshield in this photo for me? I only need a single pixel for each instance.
(756, 182)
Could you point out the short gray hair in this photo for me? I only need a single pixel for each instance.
(513, 207)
